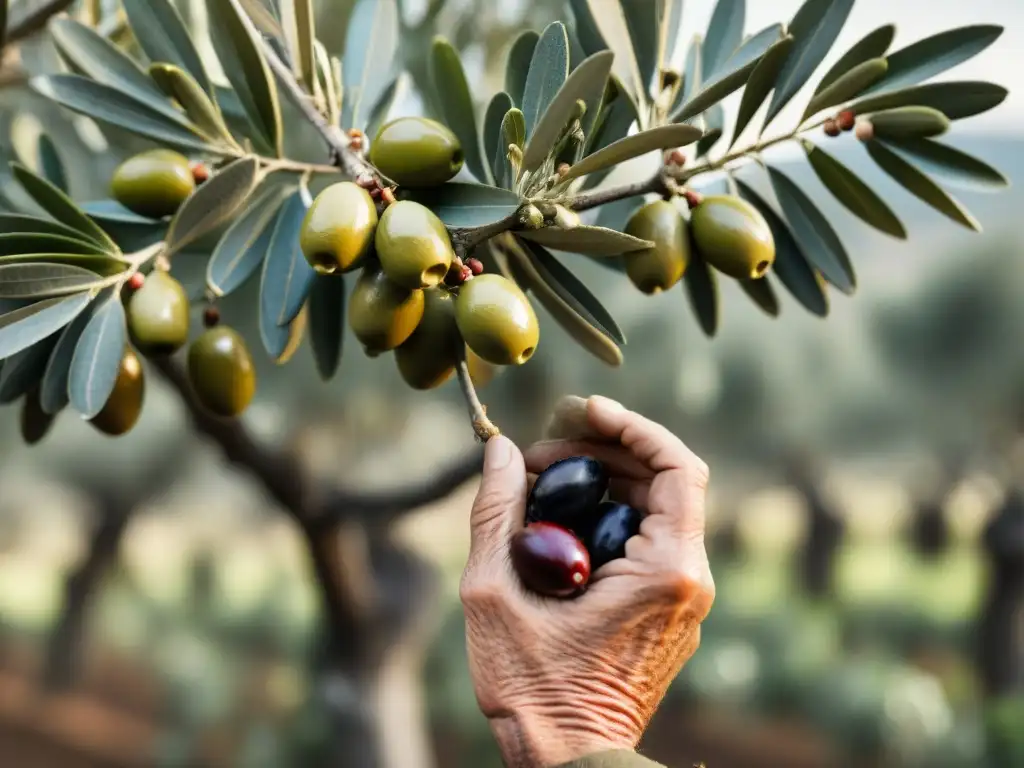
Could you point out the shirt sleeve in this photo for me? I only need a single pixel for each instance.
(616, 759)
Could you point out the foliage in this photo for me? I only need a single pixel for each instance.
(579, 99)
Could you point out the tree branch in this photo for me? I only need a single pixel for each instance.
(27, 21)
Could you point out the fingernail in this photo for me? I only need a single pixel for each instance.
(497, 454)
(607, 403)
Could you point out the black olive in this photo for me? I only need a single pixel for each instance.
(618, 523)
(568, 493)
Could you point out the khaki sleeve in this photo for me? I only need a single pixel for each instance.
(616, 759)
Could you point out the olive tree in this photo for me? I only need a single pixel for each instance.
(271, 154)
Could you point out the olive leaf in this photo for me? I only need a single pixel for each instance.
(466, 205)
(815, 29)
(873, 45)
(380, 111)
(23, 371)
(162, 35)
(371, 39)
(572, 291)
(213, 203)
(909, 123)
(50, 165)
(28, 325)
(700, 283)
(60, 207)
(662, 137)
(848, 86)
(513, 131)
(951, 164)
(91, 54)
(517, 67)
(549, 69)
(956, 99)
(456, 104)
(587, 79)
(182, 87)
(735, 73)
(494, 142)
(53, 394)
(327, 323)
(792, 266)
(672, 22)
(567, 313)
(116, 108)
(607, 27)
(644, 24)
(32, 280)
(817, 238)
(762, 294)
(693, 74)
(238, 47)
(934, 55)
(244, 245)
(299, 26)
(919, 185)
(24, 224)
(98, 264)
(287, 276)
(97, 358)
(129, 230)
(22, 243)
(593, 241)
(853, 193)
(724, 35)
(760, 84)
(714, 127)
(613, 125)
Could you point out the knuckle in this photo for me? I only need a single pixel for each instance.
(489, 507)
(481, 593)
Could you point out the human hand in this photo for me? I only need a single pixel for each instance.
(562, 679)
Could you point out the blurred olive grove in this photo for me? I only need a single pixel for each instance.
(856, 463)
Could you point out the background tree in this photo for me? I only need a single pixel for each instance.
(291, 118)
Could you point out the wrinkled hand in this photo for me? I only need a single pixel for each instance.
(561, 679)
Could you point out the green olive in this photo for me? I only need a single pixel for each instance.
(35, 422)
(158, 315)
(733, 237)
(497, 320)
(124, 406)
(221, 371)
(337, 233)
(427, 359)
(657, 269)
(416, 152)
(154, 183)
(413, 245)
(382, 313)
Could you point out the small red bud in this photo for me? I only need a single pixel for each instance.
(136, 281)
(366, 181)
(865, 130)
(375, 193)
(476, 266)
(387, 195)
(355, 133)
(676, 157)
(693, 199)
(831, 128)
(211, 316)
(563, 168)
(200, 173)
(356, 143)
(846, 120)
(467, 274)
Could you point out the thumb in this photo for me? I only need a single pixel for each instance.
(500, 504)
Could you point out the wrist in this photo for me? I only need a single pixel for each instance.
(532, 739)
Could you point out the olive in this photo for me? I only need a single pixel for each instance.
(416, 152)
(123, 407)
(660, 267)
(606, 540)
(35, 422)
(568, 493)
(733, 236)
(550, 560)
(427, 359)
(497, 320)
(413, 245)
(221, 371)
(158, 315)
(337, 233)
(153, 183)
(383, 314)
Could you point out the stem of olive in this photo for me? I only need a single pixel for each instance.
(484, 428)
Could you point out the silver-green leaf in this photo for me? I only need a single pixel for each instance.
(162, 35)
(241, 250)
(858, 197)
(22, 372)
(287, 276)
(956, 99)
(494, 142)
(873, 45)
(34, 280)
(848, 86)
(724, 35)
(59, 205)
(762, 294)
(662, 137)
(549, 69)
(467, 205)
(327, 323)
(53, 394)
(517, 66)
(920, 185)
(593, 241)
(700, 283)
(23, 327)
(213, 203)
(456, 104)
(97, 359)
(760, 84)
(50, 165)
(815, 29)
(952, 165)
(370, 44)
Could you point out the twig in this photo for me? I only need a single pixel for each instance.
(27, 22)
(659, 183)
(483, 427)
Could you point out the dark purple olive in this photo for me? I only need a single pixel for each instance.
(618, 523)
(568, 492)
(550, 560)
